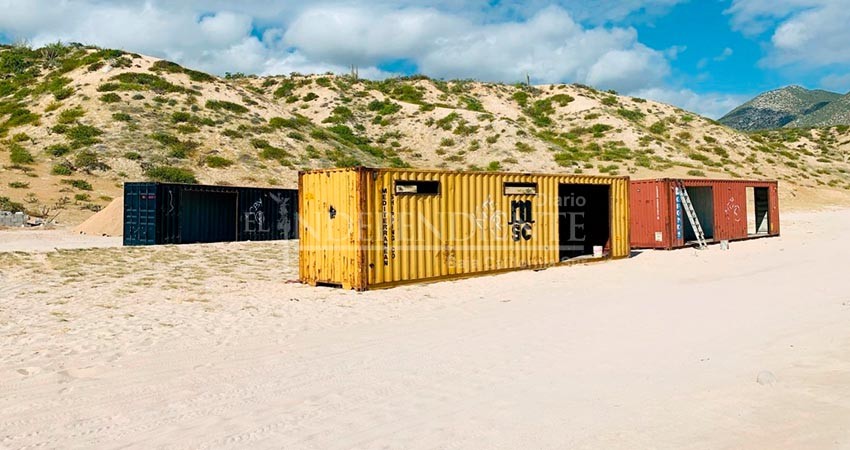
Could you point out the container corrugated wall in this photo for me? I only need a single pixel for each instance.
(468, 225)
(655, 213)
(166, 213)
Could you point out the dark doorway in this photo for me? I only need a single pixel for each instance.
(703, 200)
(584, 219)
(208, 216)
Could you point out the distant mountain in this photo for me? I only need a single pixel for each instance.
(790, 107)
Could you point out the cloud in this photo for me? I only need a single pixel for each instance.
(494, 41)
(804, 33)
(551, 46)
(711, 105)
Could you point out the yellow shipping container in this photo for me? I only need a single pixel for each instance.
(372, 228)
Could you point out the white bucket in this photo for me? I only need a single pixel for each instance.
(597, 251)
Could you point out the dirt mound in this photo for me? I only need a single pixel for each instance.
(108, 222)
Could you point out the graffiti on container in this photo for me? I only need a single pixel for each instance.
(255, 218)
(283, 222)
(489, 216)
(678, 214)
(521, 220)
(733, 209)
(170, 201)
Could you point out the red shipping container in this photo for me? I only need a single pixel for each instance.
(727, 210)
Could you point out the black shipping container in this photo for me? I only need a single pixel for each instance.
(162, 213)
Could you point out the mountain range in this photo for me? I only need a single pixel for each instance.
(790, 107)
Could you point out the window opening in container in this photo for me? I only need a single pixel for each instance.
(520, 189)
(584, 220)
(417, 187)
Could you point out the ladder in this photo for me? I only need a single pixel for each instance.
(692, 215)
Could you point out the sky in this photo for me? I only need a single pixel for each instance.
(706, 56)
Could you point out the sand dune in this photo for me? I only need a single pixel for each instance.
(213, 346)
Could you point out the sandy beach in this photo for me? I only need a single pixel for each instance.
(217, 346)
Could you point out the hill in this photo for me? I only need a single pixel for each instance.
(78, 121)
(778, 108)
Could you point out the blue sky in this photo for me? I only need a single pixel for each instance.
(706, 56)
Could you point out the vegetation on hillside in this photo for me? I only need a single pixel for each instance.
(74, 114)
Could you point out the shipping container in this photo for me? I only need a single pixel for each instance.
(727, 210)
(162, 213)
(372, 228)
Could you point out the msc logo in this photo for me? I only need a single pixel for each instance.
(521, 220)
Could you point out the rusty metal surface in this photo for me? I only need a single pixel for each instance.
(654, 219)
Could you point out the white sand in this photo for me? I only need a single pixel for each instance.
(110, 348)
(42, 240)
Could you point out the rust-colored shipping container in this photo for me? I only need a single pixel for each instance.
(372, 228)
(727, 210)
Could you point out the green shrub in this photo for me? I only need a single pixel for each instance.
(198, 77)
(82, 185)
(600, 128)
(19, 185)
(216, 162)
(309, 97)
(472, 103)
(297, 136)
(61, 169)
(539, 112)
(384, 108)
(658, 127)
(521, 97)
(110, 97)
(70, 116)
(696, 173)
(340, 114)
(19, 117)
(562, 99)
(285, 89)
(83, 135)
(88, 160)
(447, 142)
(20, 155)
(82, 197)
(169, 174)
(122, 117)
(136, 81)
(8, 205)
(232, 134)
(58, 149)
(21, 137)
(522, 147)
(166, 66)
(323, 81)
(609, 101)
(165, 138)
(631, 114)
(180, 116)
(217, 105)
(494, 166)
(133, 156)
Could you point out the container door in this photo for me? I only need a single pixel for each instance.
(140, 214)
